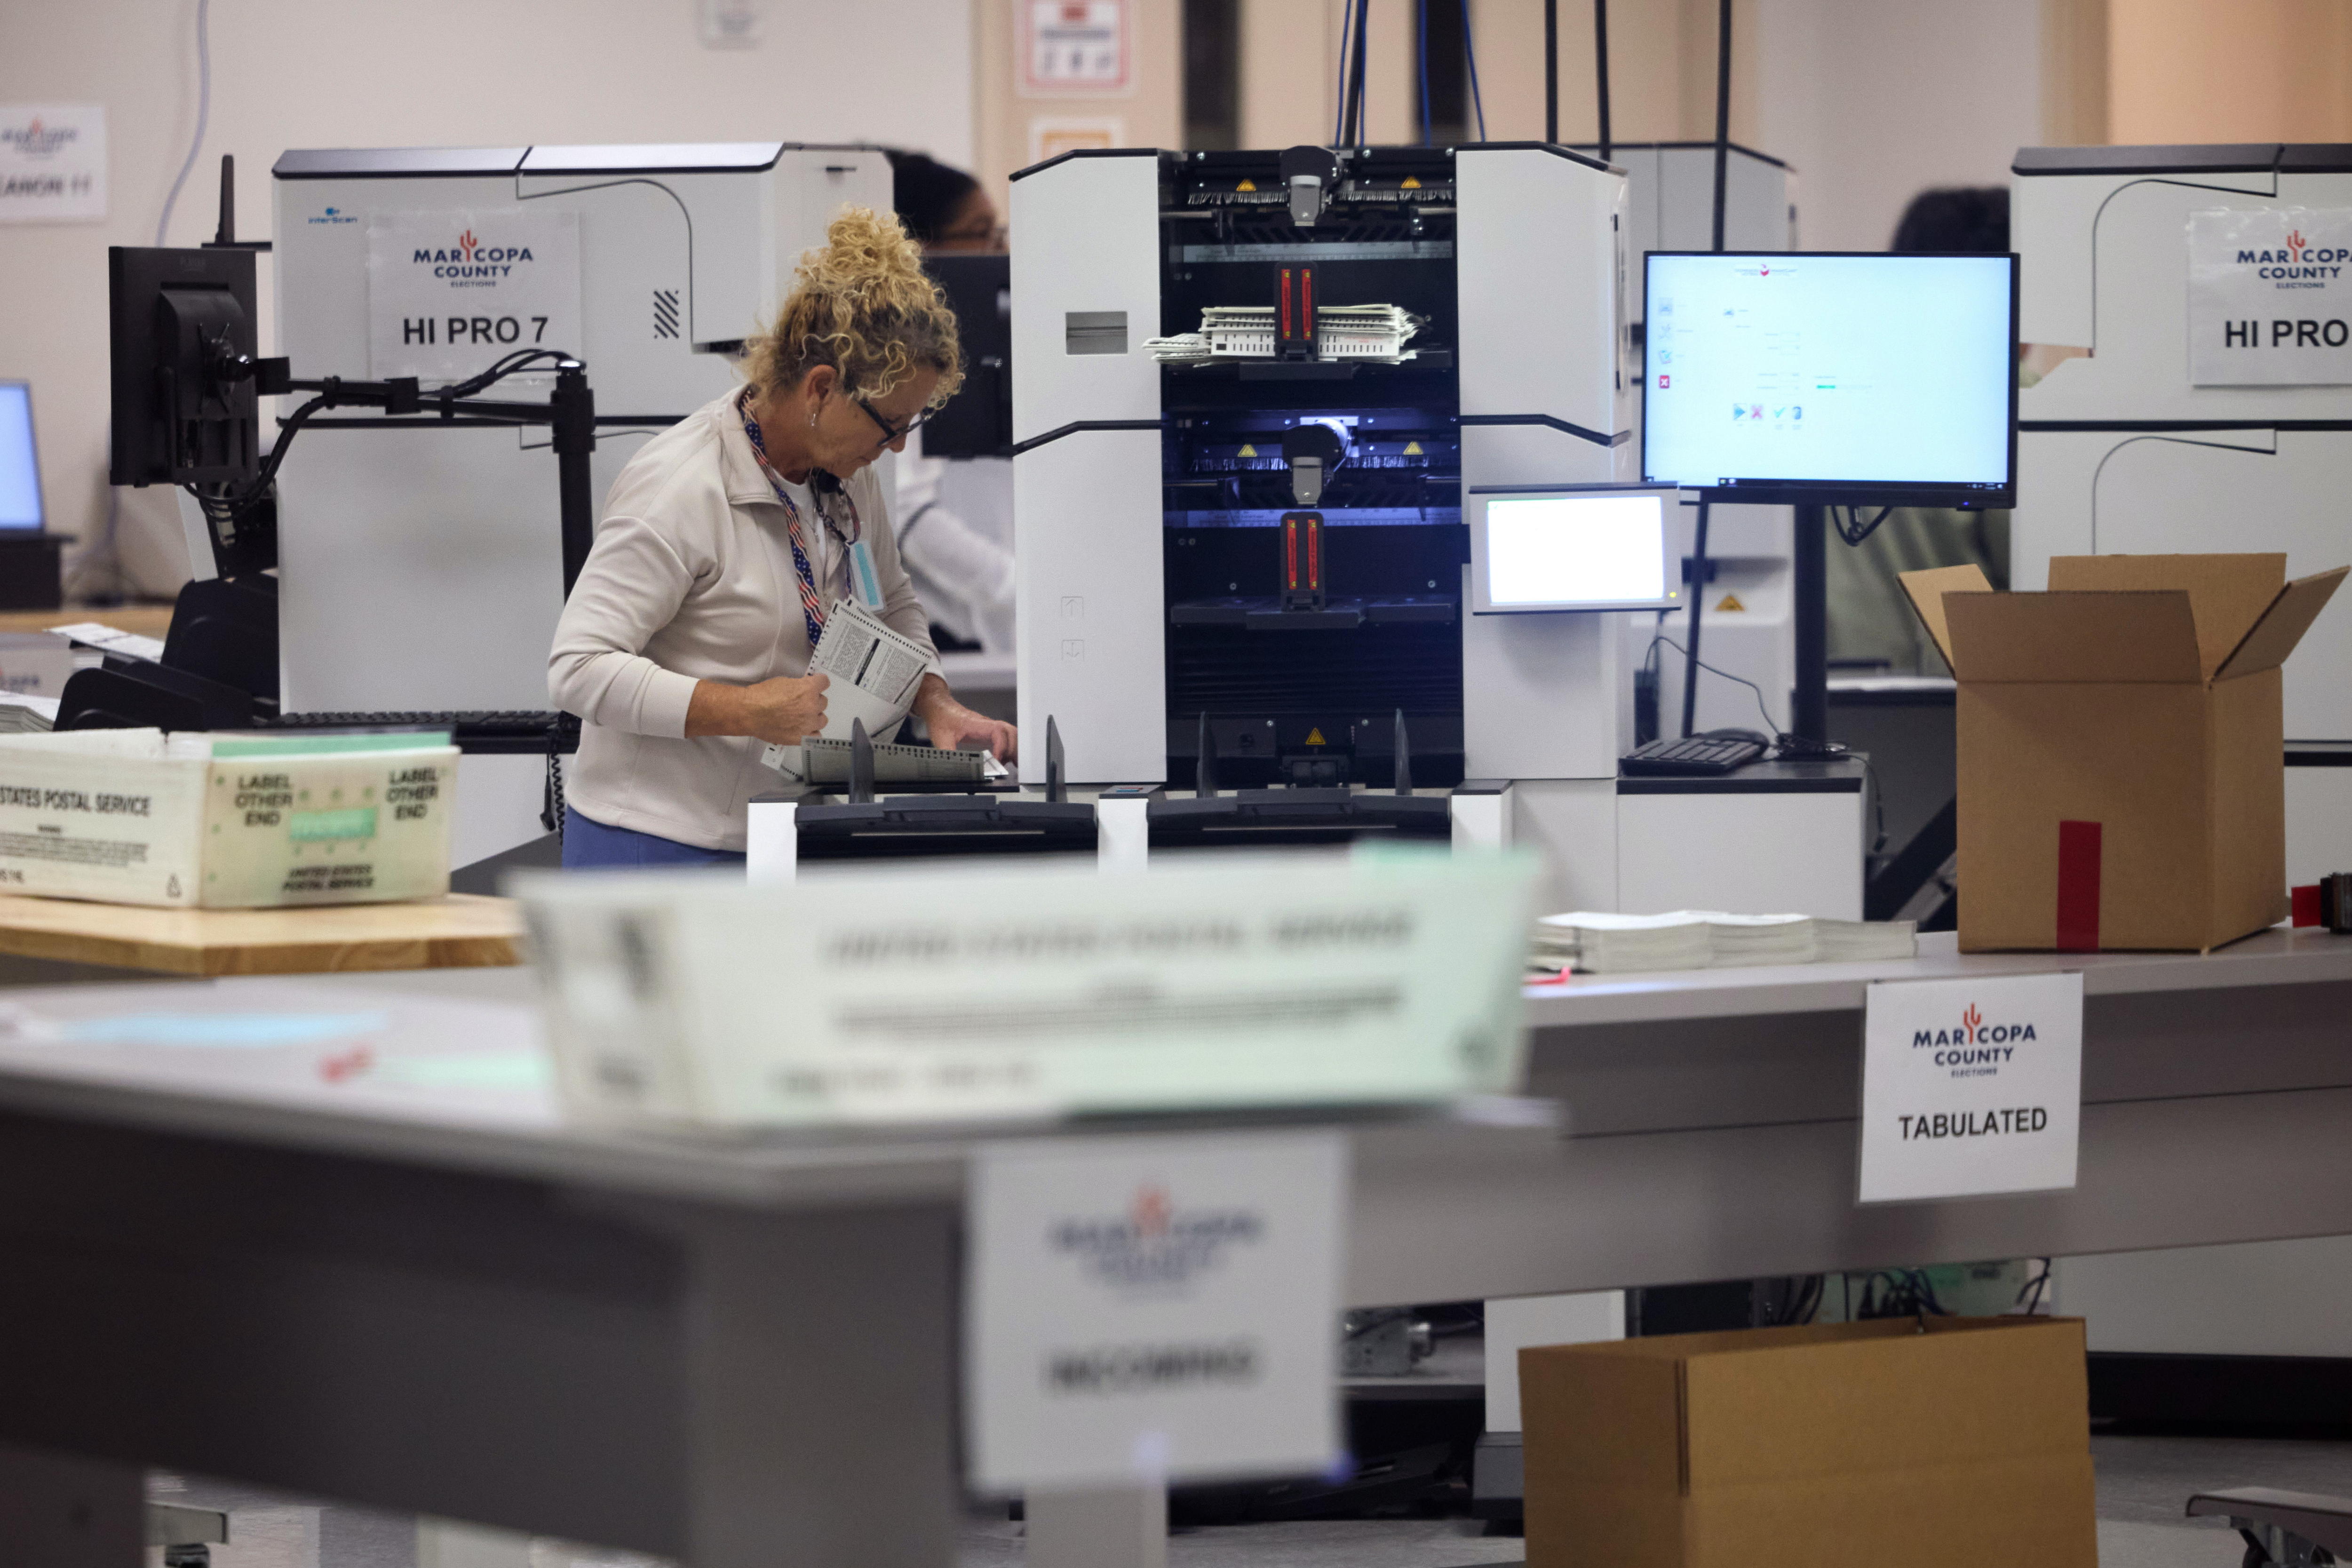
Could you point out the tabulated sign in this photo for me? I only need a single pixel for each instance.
(450, 293)
(1971, 1086)
(1153, 1309)
(52, 162)
(2270, 297)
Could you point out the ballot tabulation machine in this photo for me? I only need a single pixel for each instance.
(1190, 630)
(421, 566)
(2213, 287)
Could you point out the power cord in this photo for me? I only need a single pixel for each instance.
(1771, 725)
(1852, 531)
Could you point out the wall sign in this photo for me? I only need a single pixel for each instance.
(1971, 1085)
(52, 162)
(1075, 47)
(1153, 1309)
(2270, 297)
(451, 292)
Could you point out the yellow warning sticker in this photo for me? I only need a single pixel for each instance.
(1248, 451)
(1409, 184)
(1731, 602)
(1412, 450)
(1314, 738)
(1246, 185)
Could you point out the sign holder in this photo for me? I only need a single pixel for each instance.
(1970, 1088)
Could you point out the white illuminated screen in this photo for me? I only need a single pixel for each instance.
(1576, 550)
(1833, 369)
(20, 476)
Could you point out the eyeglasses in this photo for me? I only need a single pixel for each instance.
(892, 433)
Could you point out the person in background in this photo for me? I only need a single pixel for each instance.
(955, 520)
(727, 540)
(1871, 623)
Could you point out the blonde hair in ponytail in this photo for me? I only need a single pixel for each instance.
(863, 306)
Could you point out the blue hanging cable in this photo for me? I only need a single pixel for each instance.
(1339, 121)
(1421, 6)
(1470, 54)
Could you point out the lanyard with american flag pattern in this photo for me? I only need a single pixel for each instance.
(812, 606)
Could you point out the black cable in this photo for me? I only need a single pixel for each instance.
(1600, 66)
(1854, 532)
(1698, 597)
(1770, 724)
(1551, 72)
(1340, 118)
(1353, 97)
(1421, 11)
(1470, 54)
(1722, 112)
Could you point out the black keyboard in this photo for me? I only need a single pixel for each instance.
(1697, 756)
(474, 729)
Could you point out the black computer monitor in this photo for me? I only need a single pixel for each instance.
(978, 421)
(1832, 379)
(184, 344)
(20, 461)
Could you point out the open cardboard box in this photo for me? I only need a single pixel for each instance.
(2122, 762)
(1948, 1441)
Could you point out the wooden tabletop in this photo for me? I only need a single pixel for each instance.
(459, 932)
(145, 620)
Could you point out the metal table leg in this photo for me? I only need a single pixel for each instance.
(1115, 1527)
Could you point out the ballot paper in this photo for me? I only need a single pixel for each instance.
(1607, 944)
(820, 761)
(874, 671)
(112, 640)
(21, 714)
(1375, 332)
(1003, 990)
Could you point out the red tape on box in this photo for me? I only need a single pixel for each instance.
(2078, 887)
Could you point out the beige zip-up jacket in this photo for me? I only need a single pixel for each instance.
(691, 579)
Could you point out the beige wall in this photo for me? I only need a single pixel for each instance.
(363, 73)
(1662, 59)
(1874, 100)
(1151, 113)
(2229, 70)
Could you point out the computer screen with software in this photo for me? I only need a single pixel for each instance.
(20, 467)
(1832, 379)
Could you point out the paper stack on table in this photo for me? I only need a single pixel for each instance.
(1599, 943)
(1738, 941)
(1866, 941)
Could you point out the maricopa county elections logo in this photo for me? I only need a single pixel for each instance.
(2297, 263)
(1155, 1245)
(1975, 1049)
(471, 263)
(34, 140)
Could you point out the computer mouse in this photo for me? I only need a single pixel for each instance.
(1763, 741)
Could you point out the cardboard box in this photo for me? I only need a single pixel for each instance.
(2122, 767)
(1834, 1445)
(136, 816)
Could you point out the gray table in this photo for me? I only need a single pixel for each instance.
(422, 1290)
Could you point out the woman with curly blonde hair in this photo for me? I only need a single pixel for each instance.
(684, 646)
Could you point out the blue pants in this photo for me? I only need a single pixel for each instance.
(588, 843)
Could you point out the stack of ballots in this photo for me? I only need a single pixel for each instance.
(1374, 332)
(22, 714)
(1600, 943)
